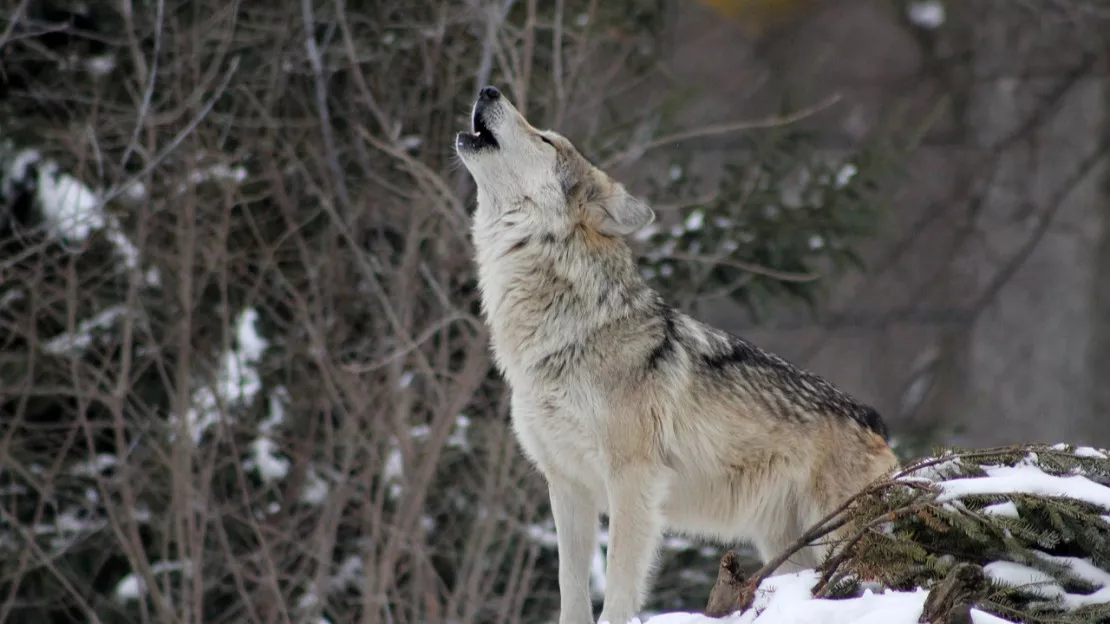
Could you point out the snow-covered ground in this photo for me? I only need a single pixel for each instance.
(786, 599)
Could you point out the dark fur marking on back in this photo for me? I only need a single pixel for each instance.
(666, 347)
(800, 391)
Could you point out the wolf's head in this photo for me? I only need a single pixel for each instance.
(541, 174)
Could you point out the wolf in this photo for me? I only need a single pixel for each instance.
(626, 405)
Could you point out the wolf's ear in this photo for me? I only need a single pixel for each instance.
(620, 214)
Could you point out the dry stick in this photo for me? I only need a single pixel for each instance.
(823, 527)
(749, 267)
(583, 48)
(846, 551)
(725, 128)
(977, 454)
(557, 60)
(726, 594)
(13, 19)
(360, 80)
(317, 64)
(527, 58)
(151, 78)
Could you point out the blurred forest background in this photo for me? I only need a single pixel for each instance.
(242, 372)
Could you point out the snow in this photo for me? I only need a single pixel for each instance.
(926, 13)
(238, 380)
(278, 398)
(695, 220)
(135, 190)
(1041, 584)
(81, 337)
(315, 489)
(543, 535)
(646, 232)
(1026, 479)
(394, 466)
(70, 206)
(1007, 509)
(394, 470)
(218, 171)
(101, 65)
(251, 344)
(1082, 451)
(266, 461)
(132, 587)
(1088, 452)
(93, 467)
(72, 210)
(1081, 569)
(845, 174)
(1030, 579)
(786, 599)
(1088, 572)
(458, 436)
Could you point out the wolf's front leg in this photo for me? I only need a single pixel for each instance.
(635, 527)
(576, 520)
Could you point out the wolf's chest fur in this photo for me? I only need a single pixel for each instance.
(556, 314)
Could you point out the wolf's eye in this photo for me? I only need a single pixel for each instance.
(546, 140)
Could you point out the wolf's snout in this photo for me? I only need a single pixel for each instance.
(489, 94)
(485, 115)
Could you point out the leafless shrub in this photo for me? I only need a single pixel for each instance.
(243, 377)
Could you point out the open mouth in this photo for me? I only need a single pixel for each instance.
(480, 137)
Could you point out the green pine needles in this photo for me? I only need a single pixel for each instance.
(1036, 518)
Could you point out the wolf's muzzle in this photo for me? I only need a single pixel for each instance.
(480, 137)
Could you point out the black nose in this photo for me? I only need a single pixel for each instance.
(489, 94)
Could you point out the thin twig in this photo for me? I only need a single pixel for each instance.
(831, 566)
(717, 129)
(13, 19)
(317, 64)
(150, 77)
(829, 524)
(785, 276)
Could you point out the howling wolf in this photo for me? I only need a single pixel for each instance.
(626, 405)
